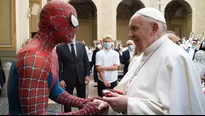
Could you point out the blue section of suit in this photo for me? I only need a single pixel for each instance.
(13, 95)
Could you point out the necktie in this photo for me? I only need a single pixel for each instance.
(73, 50)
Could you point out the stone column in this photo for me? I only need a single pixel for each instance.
(106, 19)
(6, 67)
(22, 22)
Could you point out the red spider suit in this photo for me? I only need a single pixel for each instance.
(33, 75)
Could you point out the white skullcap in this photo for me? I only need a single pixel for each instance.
(152, 13)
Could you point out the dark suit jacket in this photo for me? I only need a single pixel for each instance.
(202, 47)
(117, 50)
(125, 60)
(71, 68)
(93, 64)
(195, 50)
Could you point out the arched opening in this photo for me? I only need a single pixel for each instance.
(87, 15)
(125, 10)
(178, 14)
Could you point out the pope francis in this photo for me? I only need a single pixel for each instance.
(165, 80)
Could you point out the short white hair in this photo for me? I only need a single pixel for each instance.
(130, 41)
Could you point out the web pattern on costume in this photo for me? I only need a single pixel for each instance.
(33, 69)
(36, 62)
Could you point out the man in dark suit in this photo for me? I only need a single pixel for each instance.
(127, 56)
(202, 45)
(73, 68)
(98, 48)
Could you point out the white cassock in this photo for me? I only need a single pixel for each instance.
(135, 60)
(165, 82)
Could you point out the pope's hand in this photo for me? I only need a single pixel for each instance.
(117, 102)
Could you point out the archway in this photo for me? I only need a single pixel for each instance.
(178, 14)
(125, 10)
(87, 15)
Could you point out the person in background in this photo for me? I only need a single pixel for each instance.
(97, 48)
(165, 82)
(116, 49)
(90, 54)
(202, 44)
(192, 49)
(199, 62)
(107, 64)
(135, 59)
(86, 47)
(127, 56)
(74, 68)
(172, 36)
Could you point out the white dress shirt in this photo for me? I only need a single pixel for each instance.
(69, 46)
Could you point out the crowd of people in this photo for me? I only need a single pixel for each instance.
(162, 73)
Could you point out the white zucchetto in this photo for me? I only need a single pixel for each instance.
(152, 13)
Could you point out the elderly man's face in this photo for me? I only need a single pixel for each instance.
(140, 31)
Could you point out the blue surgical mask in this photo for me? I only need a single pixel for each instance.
(130, 47)
(193, 47)
(107, 45)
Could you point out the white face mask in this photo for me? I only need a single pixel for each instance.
(130, 47)
(99, 46)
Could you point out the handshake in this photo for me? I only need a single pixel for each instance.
(113, 98)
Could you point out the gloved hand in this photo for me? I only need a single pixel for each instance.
(92, 98)
(90, 108)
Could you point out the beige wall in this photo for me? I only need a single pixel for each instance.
(34, 19)
(122, 30)
(5, 21)
(86, 31)
(106, 20)
(199, 17)
(7, 30)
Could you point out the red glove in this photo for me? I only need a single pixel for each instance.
(89, 108)
(66, 98)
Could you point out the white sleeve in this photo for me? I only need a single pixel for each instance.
(98, 59)
(186, 95)
(140, 106)
(117, 61)
(178, 89)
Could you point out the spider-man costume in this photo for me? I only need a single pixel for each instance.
(33, 75)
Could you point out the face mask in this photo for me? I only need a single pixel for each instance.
(99, 46)
(130, 47)
(107, 45)
(192, 46)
